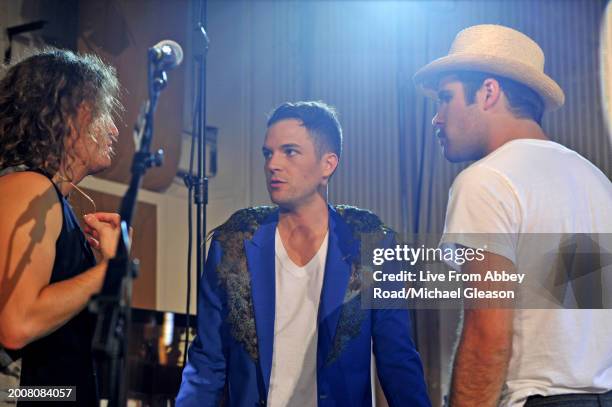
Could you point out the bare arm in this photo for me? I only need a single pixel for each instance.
(485, 346)
(30, 307)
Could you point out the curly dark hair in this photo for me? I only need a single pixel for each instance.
(40, 98)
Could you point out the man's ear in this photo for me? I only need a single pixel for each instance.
(330, 163)
(492, 93)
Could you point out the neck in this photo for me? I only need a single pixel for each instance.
(514, 129)
(309, 219)
(64, 183)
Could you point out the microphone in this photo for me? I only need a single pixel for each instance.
(166, 54)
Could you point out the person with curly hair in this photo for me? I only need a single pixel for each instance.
(56, 127)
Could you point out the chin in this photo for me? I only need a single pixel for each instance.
(99, 167)
(282, 203)
(460, 156)
(453, 158)
(449, 155)
(278, 200)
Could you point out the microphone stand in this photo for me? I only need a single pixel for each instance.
(200, 182)
(113, 304)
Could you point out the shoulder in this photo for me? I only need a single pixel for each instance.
(29, 200)
(481, 176)
(31, 189)
(16, 181)
(246, 220)
(361, 220)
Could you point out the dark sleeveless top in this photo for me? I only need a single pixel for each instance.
(64, 357)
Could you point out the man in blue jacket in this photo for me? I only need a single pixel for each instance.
(280, 321)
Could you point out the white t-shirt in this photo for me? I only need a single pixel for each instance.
(293, 380)
(527, 187)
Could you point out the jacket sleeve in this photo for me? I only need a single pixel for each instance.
(204, 376)
(398, 363)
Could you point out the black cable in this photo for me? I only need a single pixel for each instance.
(189, 244)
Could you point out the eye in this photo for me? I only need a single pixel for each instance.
(443, 99)
(267, 154)
(290, 151)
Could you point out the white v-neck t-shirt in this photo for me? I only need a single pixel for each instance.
(293, 379)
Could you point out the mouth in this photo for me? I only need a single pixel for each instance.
(275, 183)
(110, 145)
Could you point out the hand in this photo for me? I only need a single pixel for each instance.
(102, 231)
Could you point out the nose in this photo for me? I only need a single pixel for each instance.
(273, 162)
(436, 121)
(113, 130)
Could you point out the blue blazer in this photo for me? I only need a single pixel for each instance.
(220, 366)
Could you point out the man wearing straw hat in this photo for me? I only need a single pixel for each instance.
(492, 92)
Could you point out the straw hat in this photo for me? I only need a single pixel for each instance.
(498, 50)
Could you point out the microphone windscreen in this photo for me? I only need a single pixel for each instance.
(177, 51)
